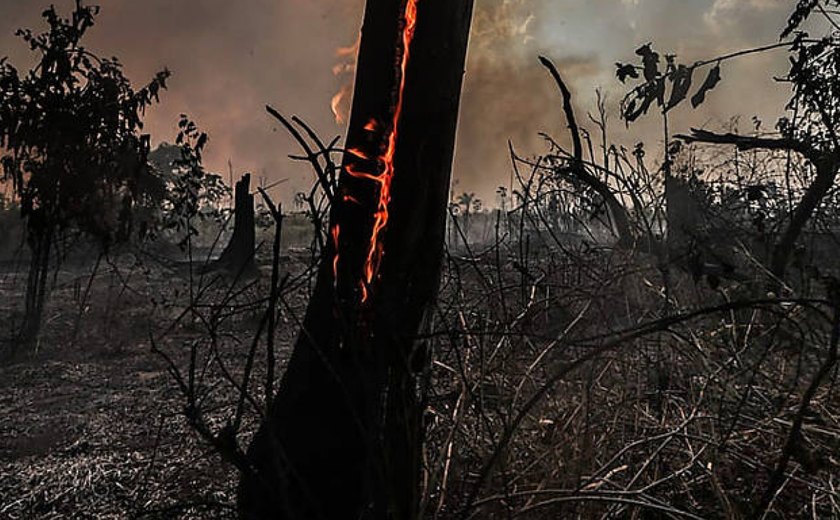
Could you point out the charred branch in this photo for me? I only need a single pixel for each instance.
(744, 143)
(578, 169)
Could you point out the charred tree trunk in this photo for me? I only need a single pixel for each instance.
(40, 247)
(344, 436)
(826, 168)
(238, 255)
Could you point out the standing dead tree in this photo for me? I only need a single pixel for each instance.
(343, 438)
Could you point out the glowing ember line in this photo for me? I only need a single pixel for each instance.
(362, 175)
(375, 249)
(380, 218)
(336, 232)
(358, 153)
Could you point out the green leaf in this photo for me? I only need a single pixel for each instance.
(650, 61)
(681, 80)
(712, 79)
(626, 70)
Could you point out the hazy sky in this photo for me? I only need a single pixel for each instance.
(230, 58)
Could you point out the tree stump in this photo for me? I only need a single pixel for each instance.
(238, 256)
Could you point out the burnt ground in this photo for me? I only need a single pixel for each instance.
(102, 438)
(92, 426)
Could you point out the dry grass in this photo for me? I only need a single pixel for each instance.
(554, 364)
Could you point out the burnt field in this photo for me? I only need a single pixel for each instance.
(643, 323)
(93, 425)
(654, 412)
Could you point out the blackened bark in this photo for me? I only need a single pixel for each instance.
(238, 255)
(344, 436)
(40, 248)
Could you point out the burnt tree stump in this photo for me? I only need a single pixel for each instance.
(238, 256)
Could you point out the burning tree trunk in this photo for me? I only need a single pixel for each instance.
(344, 436)
(238, 255)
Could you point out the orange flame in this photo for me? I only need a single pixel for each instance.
(343, 52)
(375, 250)
(336, 232)
(340, 103)
(380, 218)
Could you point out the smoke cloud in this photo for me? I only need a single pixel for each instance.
(231, 58)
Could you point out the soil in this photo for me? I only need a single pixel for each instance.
(92, 422)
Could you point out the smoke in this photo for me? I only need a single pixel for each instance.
(231, 58)
(508, 96)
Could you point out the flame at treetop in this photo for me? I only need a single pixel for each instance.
(385, 163)
(346, 67)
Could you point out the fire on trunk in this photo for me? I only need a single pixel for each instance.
(379, 166)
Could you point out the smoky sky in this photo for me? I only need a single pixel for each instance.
(230, 58)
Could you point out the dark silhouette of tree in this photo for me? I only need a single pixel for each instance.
(344, 436)
(191, 193)
(71, 146)
(810, 129)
